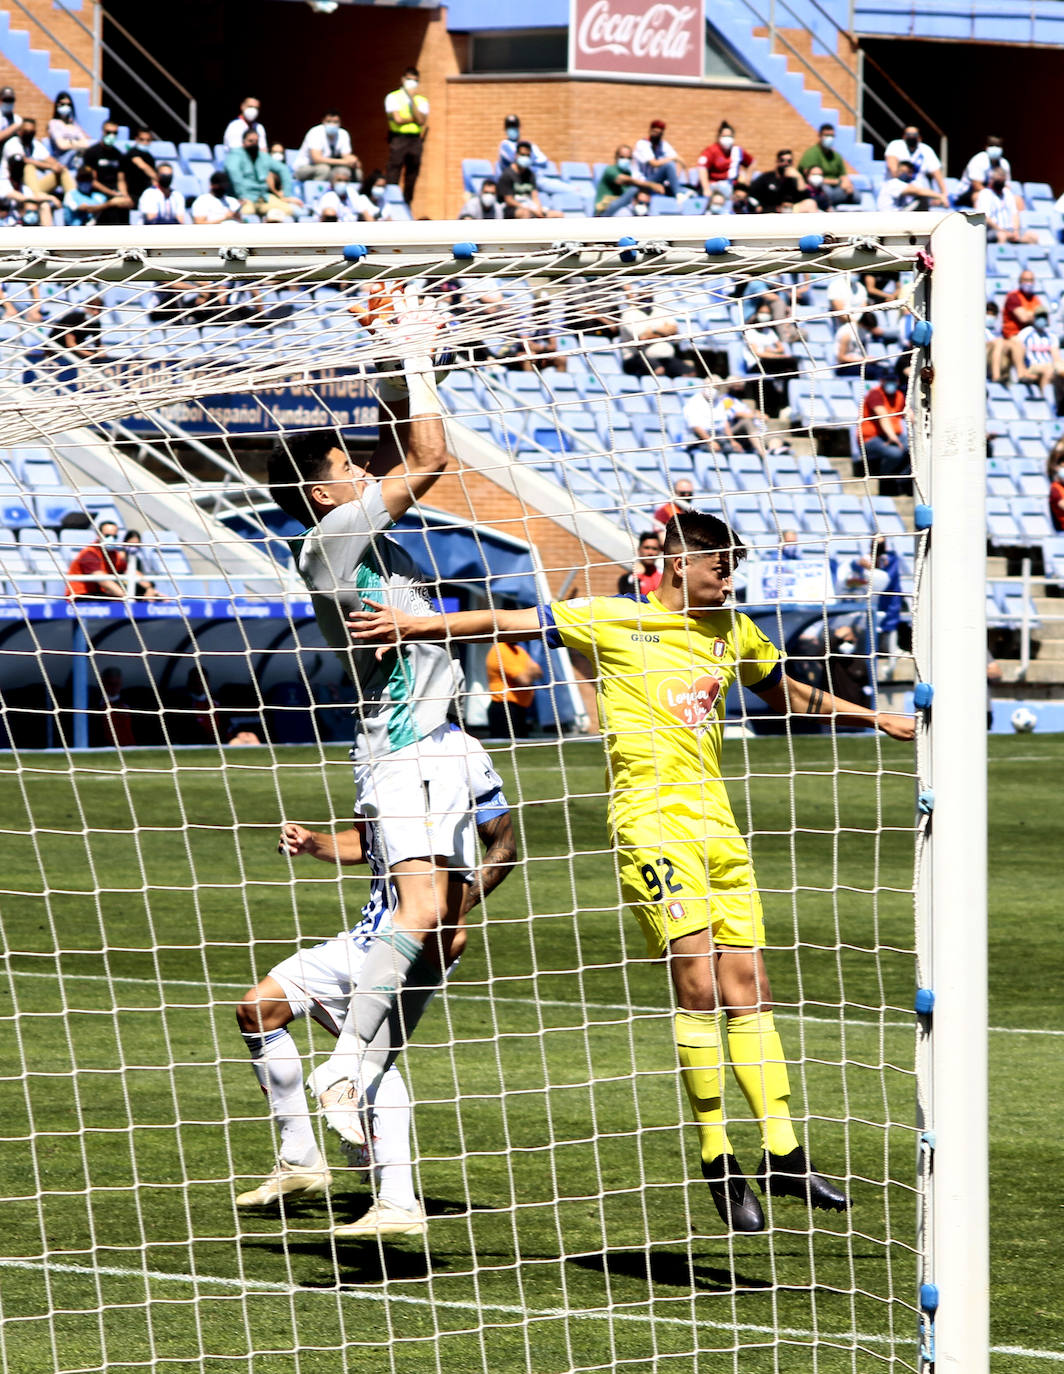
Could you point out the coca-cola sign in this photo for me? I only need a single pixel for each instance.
(636, 38)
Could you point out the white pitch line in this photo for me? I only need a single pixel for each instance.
(484, 997)
(844, 1338)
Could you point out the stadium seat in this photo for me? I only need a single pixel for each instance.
(1037, 190)
(15, 513)
(195, 152)
(569, 203)
(664, 205)
(1001, 524)
(162, 150)
(475, 167)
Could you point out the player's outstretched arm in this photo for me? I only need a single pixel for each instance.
(499, 859)
(341, 847)
(800, 699)
(387, 626)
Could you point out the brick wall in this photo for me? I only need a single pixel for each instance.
(64, 27)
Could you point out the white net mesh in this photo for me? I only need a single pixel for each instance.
(551, 1144)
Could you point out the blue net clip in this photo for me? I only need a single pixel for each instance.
(929, 1297)
(923, 695)
(922, 331)
(923, 516)
(925, 802)
(714, 247)
(628, 243)
(811, 243)
(355, 252)
(930, 1139)
(464, 250)
(924, 1001)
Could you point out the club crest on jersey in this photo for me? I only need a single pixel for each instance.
(676, 911)
(692, 702)
(718, 648)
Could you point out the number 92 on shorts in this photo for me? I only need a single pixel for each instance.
(677, 885)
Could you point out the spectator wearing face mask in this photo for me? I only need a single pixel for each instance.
(485, 204)
(140, 165)
(256, 180)
(1042, 363)
(655, 159)
(977, 173)
(901, 191)
(66, 136)
(647, 334)
(30, 168)
(724, 162)
(9, 120)
(768, 361)
(638, 207)
(339, 204)
(161, 204)
(325, 146)
(518, 190)
(814, 195)
(84, 203)
(838, 188)
(779, 186)
(851, 352)
(370, 202)
(216, 205)
(408, 121)
(1002, 212)
(1055, 473)
(927, 168)
(105, 163)
(742, 202)
(884, 444)
(618, 185)
(717, 203)
(247, 119)
(99, 569)
(508, 147)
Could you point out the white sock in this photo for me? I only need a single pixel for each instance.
(391, 1142)
(278, 1067)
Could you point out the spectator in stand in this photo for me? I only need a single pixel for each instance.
(256, 180)
(1055, 473)
(246, 120)
(837, 185)
(161, 204)
(538, 344)
(518, 191)
(370, 201)
(655, 159)
(325, 146)
(340, 203)
(107, 164)
(995, 344)
(9, 120)
(140, 165)
(77, 333)
(706, 418)
(901, 191)
(779, 186)
(485, 204)
(98, 570)
(881, 287)
(112, 721)
(723, 163)
(1018, 312)
(618, 185)
(508, 147)
(139, 557)
(1002, 211)
(815, 195)
(408, 120)
(216, 205)
(742, 202)
(1042, 363)
(646, 334)
(66, 136)
(977, 173)
(683, 494)
(925, 162)
(718, 203)
(84, 202)
(29, 167)
(851, 352)
(766, 358)
(512, 677)
(884, 444)
(646, 572)
(638, 207)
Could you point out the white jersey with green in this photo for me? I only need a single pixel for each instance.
(411, 692)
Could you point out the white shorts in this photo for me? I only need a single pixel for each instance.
(420, 800)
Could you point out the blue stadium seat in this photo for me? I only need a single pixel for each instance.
(1032, 515)
(693, 205)
(1038, 190)
(162, 150)
(850, 515)
(1000, 522)
(195, 152)
(189, 186)
(475, 167)
(1000, 484)
(15, 513)
(664, 205)
(569, 203)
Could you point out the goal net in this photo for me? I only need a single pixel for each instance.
(169, 700)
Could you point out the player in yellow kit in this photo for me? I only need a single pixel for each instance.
(664, 666)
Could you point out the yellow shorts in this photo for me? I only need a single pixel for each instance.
(683, 871)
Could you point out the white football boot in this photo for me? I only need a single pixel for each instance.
(385, 1219)
(290, 1181)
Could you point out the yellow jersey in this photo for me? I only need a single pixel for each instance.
(662, 678)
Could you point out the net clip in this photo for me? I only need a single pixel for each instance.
(629, 247)
(464, 251)
(923, 516)
(924, 1001)
(925, 260)
(925, 802)
(355, 252)
(232, 252)
(921, 335)
(137, 255)
(928, 1308)
(715, 247)
(923, 695)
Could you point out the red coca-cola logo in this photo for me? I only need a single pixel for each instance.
(637, 39)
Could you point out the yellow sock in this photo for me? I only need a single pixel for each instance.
(698, 1043)
(756, 1054)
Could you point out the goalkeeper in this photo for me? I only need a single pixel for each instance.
(411, 762)
(318, 982)
(664, 668)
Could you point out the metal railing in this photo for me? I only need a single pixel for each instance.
(855, 108)
(101, 90)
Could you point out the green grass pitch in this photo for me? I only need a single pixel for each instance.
(568, 1227)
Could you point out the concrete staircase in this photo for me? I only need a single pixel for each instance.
(33, 61)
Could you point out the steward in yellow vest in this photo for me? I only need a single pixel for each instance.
(408, 117)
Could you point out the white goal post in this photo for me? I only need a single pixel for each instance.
(560, 468)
